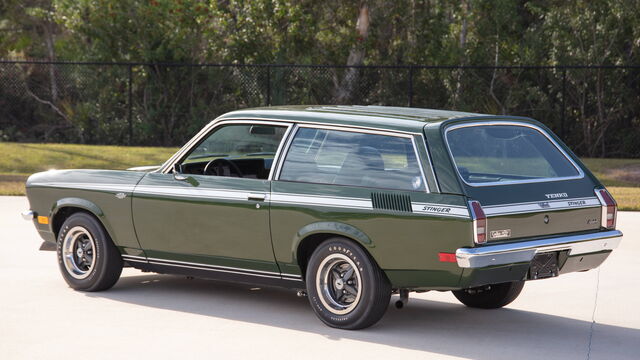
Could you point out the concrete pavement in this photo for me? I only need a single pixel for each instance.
(591, 315)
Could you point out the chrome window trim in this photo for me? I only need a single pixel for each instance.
(306, 122)
(429, 162)
(410, 136)
(419, 161)
(371, 131)
(166, 167)
(276, 156)
(289, 141)
(512, 182)
(179, 156)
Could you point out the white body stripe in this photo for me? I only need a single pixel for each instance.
(341, 202)
(440, 209)
(218, 268)
(206, 193)
(277, 198)
(165, 261)
(541, 206)
(89, 186)
(363, 203)
(332, 201)
(134, 258)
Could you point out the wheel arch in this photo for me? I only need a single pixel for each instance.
(312, 235)
(66, 207)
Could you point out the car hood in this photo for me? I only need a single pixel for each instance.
(82, 178)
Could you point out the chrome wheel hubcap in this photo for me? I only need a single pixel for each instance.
(78, 252)
(339, 284)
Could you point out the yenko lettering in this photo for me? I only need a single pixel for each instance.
(556, 196)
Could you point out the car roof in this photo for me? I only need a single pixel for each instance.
(380, 117)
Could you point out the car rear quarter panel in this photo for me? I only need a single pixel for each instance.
(405, 245)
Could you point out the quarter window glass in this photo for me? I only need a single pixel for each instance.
(236, 151)
(499, 153)
(351, 158)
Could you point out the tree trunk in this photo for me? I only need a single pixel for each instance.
(466, 7)
(356, 57)
(51, 52)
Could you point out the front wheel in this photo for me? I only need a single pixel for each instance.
(87, 257)
(346, 288)
(490, 296)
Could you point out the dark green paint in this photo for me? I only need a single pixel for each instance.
(234, 233)
(398, 241)
(192, 228)
(532, 224)
(114, 213)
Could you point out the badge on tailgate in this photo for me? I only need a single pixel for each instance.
(500, 234)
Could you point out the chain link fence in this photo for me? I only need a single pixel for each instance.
(595, 109)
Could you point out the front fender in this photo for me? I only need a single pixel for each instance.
(76, 202)
(81, 204)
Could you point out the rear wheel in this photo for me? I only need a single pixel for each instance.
(490, 296)
(346, 288)
(87, 257)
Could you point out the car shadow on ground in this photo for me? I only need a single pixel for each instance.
(423, 325)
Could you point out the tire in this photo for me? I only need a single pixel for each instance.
(88, 259)
(346, 288)
(490, 296)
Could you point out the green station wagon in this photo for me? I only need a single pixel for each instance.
(346, 204)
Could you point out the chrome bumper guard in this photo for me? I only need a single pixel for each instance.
(28, 215)
(504, 254)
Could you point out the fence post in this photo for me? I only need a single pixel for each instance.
(564, 95)
(130, 105)
(410, 90)
(268, 85)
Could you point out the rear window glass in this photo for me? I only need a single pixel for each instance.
(487, 154)
(351, 158)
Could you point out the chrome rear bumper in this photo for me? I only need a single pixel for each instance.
(504, 254)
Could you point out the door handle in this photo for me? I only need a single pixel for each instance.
(257, 197)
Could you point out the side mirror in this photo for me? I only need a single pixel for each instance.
(177, 170)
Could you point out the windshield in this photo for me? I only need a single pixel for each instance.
(495, 154)
(239, 141)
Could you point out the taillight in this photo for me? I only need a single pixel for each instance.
(479, 222)
(609, 208)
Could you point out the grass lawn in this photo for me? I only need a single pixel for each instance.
(17, 161)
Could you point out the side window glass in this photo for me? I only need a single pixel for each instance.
(244, 150)
(352, 158)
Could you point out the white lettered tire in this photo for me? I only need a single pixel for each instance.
(88, 259)
(345, 286)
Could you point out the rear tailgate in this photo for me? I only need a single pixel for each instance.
(527, 182)
(530, 210)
